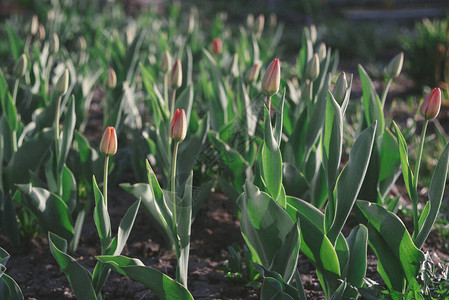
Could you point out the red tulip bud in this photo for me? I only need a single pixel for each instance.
(178, 127)
(430, 107)
(108, 144)
(176, 75)
(217, 46)
(271, 79)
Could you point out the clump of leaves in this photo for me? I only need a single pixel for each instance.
(434, 279)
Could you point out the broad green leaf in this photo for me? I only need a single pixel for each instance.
(101, 216)
(436, 191)
(390, 162)
(407, 173)
(332, 142)
(315, 123)
(392, 244)
(371, 103)
(356, 269)
(125, 227)
(67, 135)
(185, 101)
(184, 209)
(50, 210)
(294, 182)
(274, 287)
(351, 179)
(79, 278)
(160, 284)
(69, 188)
(12, 290)
(266, 227)
(271, 161)
(9, 220)
(14, 42)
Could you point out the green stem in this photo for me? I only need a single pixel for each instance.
(105, 181)
(172, 107)
(58, 109)
(166, 92)
(269, 106)
(415, 179)
(47, 78)
(14, 100)
(173, 186)
(385, 92)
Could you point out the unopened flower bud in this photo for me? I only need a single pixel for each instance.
(250, 20)
(41, 32)
(176, 75)
(340, 88)
(273, 20)
(254, 72)
(191, 23)
(430, 107)
(54, 44)
(21, 66)
(272, 78)
(34, 25)
(394, 67)
(63, 83)
(313, 68)
(81, 43)
(108, 144)
(312, 33)
(322, 51)
(112, 79)
(166, 62)
(260, 23)
(178, 127)
(217, 46)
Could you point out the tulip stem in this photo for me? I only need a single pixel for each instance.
(385, 92)
(58, 111)
(166, 91)
(173, 186)
(269, 106)
(47, 77)
(172, 107)
(105, 181)
(14, 130)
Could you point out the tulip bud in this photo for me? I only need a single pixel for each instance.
(63, 83)
(176, 75)
(394, 67)
(217, 46)
(430, 107)
(322, 51)
(81, 43)
(273, 20)
(340, 88)
(260, 23)
(312, 33)
(191, 23)
(254, 72)
(34, 25)
(272, 78)
(41, 32)
(250, 20)
(54, 44)
(313, 68)
(111, 81)
(166, 62)
(178, 127)
(108, 144)
(21, 66)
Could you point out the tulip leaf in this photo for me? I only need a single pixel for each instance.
(351, 179)
(125, 227)
(271, 162)
(79, 278)
(185, 101)
(184, 209)
(50, 210)
(9, 289)
(390, 163)
(332, 141)
(274, 287)
(356, 268)
(101, 216)
(160, 284)
(269, 232)
(69, 188)
(294, 182)
(407, 173)
(398, 258)
(315, 123)
(371, 103)
(436, 191)
(67, 136)
(279, 118)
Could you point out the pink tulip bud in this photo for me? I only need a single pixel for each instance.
(108, 144)
(272, 78)
(217, 46)
(430, 107)
(176, 75)
(254, 72)
(260, 23)
(178, 127)
(166, 62)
